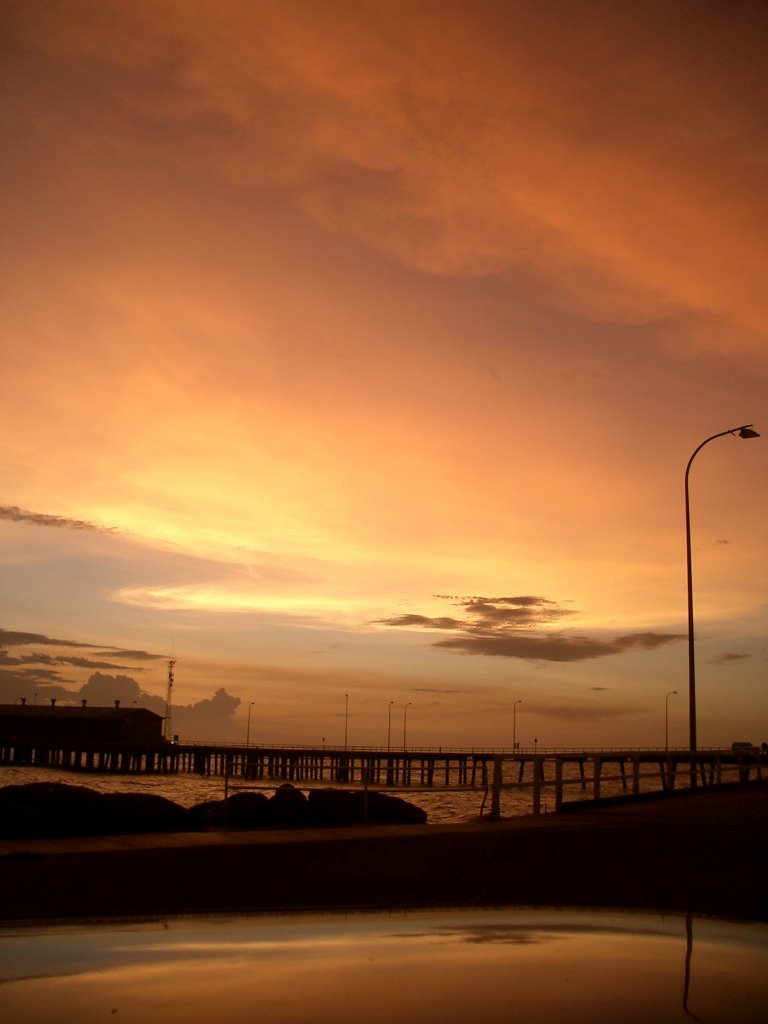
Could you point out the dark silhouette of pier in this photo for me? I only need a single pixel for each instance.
(557, 774)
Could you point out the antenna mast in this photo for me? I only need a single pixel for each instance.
(167, 731)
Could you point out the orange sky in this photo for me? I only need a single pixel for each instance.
(336, 333)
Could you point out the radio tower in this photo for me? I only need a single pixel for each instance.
(167, 731)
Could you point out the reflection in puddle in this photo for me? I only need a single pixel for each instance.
(452, 966)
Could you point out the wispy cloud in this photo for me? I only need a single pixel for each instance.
(512, 627)
(16, 639)
(14, 514)
(488, 614)
(38, 658)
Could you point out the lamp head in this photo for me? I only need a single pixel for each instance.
(747, 432)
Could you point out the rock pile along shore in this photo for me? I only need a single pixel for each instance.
(50, 809)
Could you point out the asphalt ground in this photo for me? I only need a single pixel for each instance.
(703, 853)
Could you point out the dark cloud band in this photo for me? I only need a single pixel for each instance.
(511, 627)
(14, 514)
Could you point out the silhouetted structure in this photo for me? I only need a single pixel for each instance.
(93, 739)
(55, 724)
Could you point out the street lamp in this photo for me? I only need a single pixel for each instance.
(389, 726)
(745, 432)
(248, 727)
(666, 719)
(514, 724)
(346, 718)
(405, 719)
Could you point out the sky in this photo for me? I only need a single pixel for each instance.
(353, 352)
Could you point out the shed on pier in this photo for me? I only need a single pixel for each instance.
(61, 724)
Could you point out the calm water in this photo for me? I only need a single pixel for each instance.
(503, 965)
(442, 806)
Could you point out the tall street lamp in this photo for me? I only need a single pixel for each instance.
(666, 719)
(389, 726)
(248, 727)
(746, 432)
(405, 719)
(346, 719)
(514, 724)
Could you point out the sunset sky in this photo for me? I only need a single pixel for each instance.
(353, 352)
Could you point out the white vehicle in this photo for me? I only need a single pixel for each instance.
(743, 748)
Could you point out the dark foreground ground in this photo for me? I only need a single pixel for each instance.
(705, 853)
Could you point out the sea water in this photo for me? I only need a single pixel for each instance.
(442, 805)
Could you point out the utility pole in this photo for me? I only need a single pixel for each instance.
(167, 729)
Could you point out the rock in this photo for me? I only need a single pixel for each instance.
(288, 807)
(47, 809)
(334, 807)
(243, 810)
(393, 810)
(209, 814)
(345, 807)
(248, 810)
(139, 812)
(41, 809)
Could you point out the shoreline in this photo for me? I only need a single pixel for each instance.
(703, 853)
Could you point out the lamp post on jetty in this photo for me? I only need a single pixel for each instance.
(514, 724)
(346, 718)
(746, 432)
(389, 726)
(248, 726)
(405, 719)
(666, 720)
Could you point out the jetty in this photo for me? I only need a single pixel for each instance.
(553, 776)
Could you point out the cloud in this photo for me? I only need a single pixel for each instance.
(38, 658)
(14, 638)
(442, 689)
(29, 669)
(556, 648)
(487, 614)
(511, 627)
(728, 656)
(210, 718)
(526, 164)
(14, 514)
(441, 622)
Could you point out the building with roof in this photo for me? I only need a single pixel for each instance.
(59, 725)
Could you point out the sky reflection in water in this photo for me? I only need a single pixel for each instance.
(503, 965)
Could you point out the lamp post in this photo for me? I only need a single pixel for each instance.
(405, 719)
(248, 726)
(514, 724)
(389, 726)
(346, 718)
(666, 719)
(746, 432)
